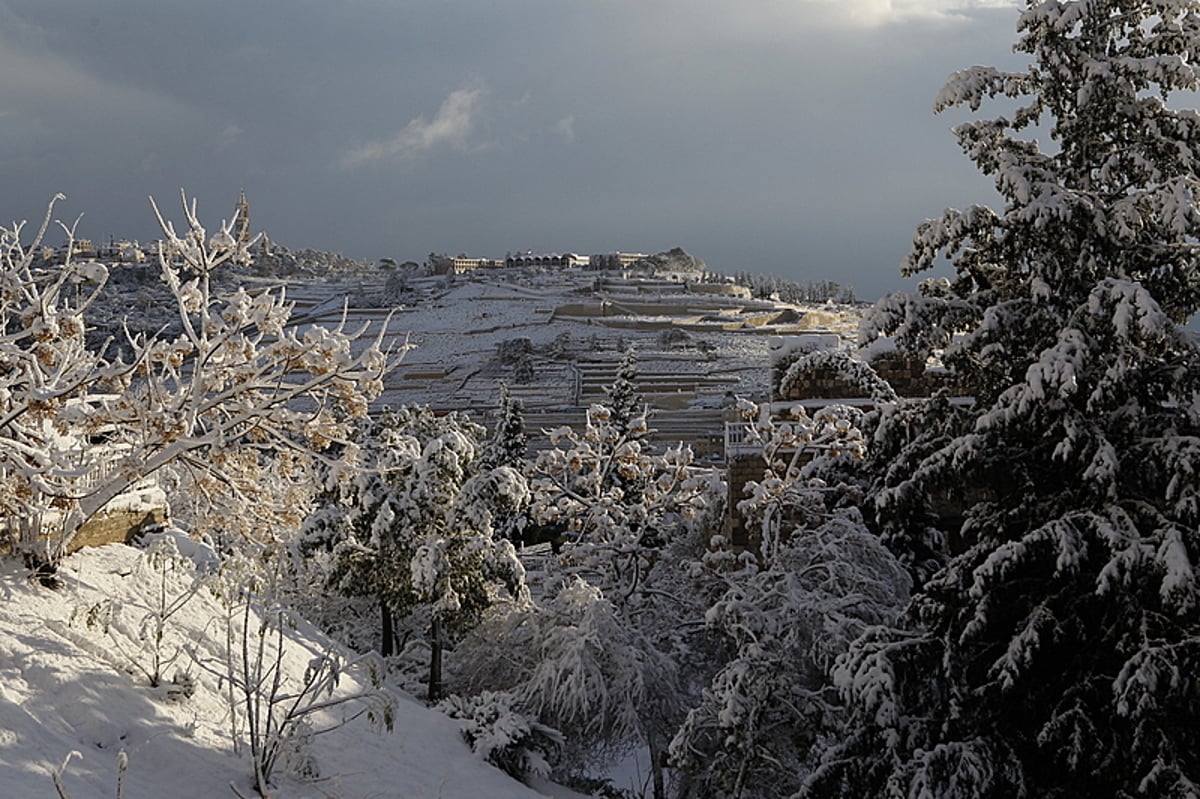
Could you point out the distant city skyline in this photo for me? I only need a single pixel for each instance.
(786, 137)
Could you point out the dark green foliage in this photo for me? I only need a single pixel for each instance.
(790, 291)
(517, 353)
(672, 261)
(918, 521)
(414, 526)
(507, 447)
(624, 402)
(508, 443)
(1055, 653)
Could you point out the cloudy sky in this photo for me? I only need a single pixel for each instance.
(789, 137)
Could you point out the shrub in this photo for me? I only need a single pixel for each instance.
(512, 742)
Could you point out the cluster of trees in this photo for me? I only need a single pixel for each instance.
(767, 286)
(672, 261)
(1046, 643)
(518, 354)
(646, 630)
(275, 260)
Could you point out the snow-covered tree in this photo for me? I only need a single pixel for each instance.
(45, 366)
(903, 434)
(752, 732)
(412, 525)
(630, 512)
(583, 483)
(575, 662)
(507, 447)
(818, 579)
(508, 441)
(274, 505)
(78, 428)
(519, 746)
(602, 654)
(622, 397)
(1055, 654)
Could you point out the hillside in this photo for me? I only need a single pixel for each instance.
(547, 333)
(66, 687)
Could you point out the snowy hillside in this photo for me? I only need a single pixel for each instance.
(567, 326)
(65, 686)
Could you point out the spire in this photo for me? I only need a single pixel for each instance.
(242, 226)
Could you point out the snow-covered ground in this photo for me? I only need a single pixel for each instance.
(65, 687)
(692, 348)
(694, 342)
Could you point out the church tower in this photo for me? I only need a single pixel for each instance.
(242, 226)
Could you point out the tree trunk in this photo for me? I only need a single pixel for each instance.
(387, 646)
(435, 660)
(656, 767)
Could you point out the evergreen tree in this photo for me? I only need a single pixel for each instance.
(412, 525)
(508, 443)
(507, 448)
(624, 402)
(1056, 652)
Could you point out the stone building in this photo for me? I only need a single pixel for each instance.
(566, 260)
(615, 260)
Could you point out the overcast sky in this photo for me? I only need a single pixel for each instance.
(789, 137)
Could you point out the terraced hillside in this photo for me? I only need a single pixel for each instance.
(556, 337)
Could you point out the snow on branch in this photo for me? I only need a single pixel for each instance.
(235, 380)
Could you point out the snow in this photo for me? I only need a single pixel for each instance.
(878, 347)
(456, 325)
(64, 688)
(781, 347)
(144, 497)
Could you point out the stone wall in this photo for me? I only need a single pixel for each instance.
(113, 527)
(116, 527)
(740, 469)
(908, 378)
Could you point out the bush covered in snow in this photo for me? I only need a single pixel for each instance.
(499, 734)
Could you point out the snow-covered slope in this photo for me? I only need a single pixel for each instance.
(64, 687)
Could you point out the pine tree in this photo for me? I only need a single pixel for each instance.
(626, 423)
(508, 443)
(412, 525)
(1056, 652)
(506, 448)
(623, 400)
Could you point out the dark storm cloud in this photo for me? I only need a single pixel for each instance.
(785, 137)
